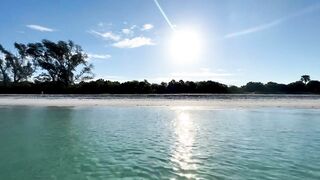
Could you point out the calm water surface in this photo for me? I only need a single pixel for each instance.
(158, 143)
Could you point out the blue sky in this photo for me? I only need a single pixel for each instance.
(241, 40)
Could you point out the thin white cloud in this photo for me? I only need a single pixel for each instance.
(127, 31)
(147, 27)
(106, 35)
(133, 27)
(124, 38)
(40, 28)
(134, 42)
(100, 24)
(254, 29)
(274, 23)
(98, 56)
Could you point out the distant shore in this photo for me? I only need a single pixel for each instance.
(177, 100)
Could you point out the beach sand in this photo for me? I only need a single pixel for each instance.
(227, 102)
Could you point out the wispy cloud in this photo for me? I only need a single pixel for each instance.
(40, 28)
(100, 24)
(254, 29)
(134, 42)
(127, 31)
(147, 27)
(98, 56)
(124, 38)
(276, 22)
(133, 27)
(106, 35)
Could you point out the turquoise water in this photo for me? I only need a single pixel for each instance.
(158, 143)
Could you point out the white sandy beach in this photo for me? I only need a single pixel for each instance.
(21, 100)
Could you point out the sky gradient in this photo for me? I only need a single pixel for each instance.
(242, 40)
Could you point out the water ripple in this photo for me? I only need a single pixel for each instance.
(159, 143)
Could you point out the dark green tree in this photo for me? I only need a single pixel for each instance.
(18, 66)
(305, 79)
(296, 87)
(254, 87)
(3, 67)
(313, 87)
(63, 62)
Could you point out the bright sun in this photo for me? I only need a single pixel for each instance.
(185, 46)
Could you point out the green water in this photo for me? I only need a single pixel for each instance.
(158, 143)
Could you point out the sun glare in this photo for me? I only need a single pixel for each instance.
(185, 130)
(185, 46)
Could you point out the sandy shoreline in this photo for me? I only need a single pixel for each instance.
(61, 101)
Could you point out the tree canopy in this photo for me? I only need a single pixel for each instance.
(305, 78)
(60, 61)
(62, 67)
(15, 67)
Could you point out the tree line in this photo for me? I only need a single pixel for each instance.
(63, 67)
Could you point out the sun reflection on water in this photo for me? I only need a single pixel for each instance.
(182, 155)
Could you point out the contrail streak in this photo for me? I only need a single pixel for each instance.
(164, 15)
(276, 22)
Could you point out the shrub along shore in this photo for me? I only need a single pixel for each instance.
(144, 87)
